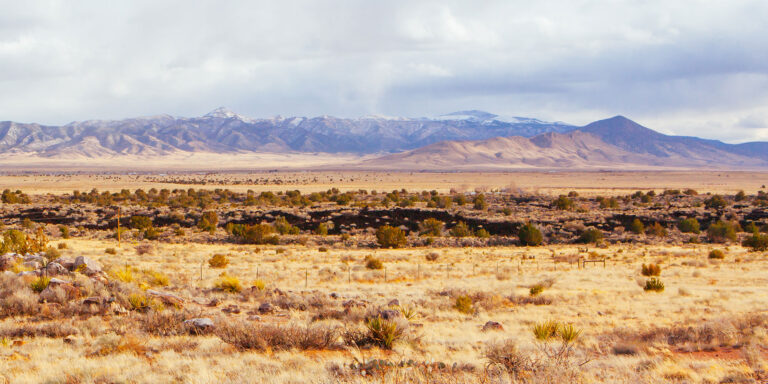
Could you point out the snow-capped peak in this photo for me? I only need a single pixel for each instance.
(225, 113)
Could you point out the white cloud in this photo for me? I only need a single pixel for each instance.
(690, 66)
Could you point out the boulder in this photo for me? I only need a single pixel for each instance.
(54, 269)
(232, 308)
(35, 258)
(266, 308)
(200, 323)
(389, 314)
(492, 326)
(32, 264)
(167, 298)
(28, 273)
(393, 303)
(86, 266)
(66, 262)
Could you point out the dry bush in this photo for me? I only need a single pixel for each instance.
(218, 261)
(50, 330)
(144, 249)
(16, 297)
(535, 300)
(277, 337)
(506, 356)
(650, 270)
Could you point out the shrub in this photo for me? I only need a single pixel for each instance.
(690, 225)
(591, 235)
(218, 261)
(530, 235)
(507, 356)
(463, 304)
(144, 248)
(248, 336)
(258, 284)
(142, 302)
(208, 221)
(757, 242)
(716, 254)
(390, 237)
(283, 227)
(61, 246)
(546, 330)
(253, 234)
(656, 230)
(40, 284)
(52, 253)
(740, 196)
(151, 233)
(651, 270)
(431, 227)
(637, 227)
(432, 256)
(721, 231)
(110, 251)
(322, 229)
(140, 222)
(715, 202)
(322, 249)
(124, 274)
(384, 333)
(64, 230)
(536, 289)
(157, 278)
(482, 233)
(654, 284)
(563, 203)
(461, 229)
(229, 284)
(479, 202)
(373, 263)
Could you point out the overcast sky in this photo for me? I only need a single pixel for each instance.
(683, 67)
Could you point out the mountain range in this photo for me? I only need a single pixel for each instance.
(223, 131)
(460, 140)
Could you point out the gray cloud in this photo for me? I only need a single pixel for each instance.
(686, 67)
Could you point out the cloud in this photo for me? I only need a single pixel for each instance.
(681, 66)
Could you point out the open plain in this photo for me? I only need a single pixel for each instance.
(356, 277)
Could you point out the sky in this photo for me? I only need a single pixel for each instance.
(681, 67)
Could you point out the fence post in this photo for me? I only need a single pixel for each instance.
(306, 278)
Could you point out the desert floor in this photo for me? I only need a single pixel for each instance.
(553, 183)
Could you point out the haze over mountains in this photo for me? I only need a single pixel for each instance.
(462, 140)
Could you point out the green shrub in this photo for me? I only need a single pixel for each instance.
(530, 235)
(591, 235)
(461, 229)
(64, 230)
(431, 227)
(208, 221)
(463, 304)
(716, 254)
(715, 202)
(253, 234)
(390, 237)
(757, 242)
(479, 202)
(651, 270)
(322, 229)
(721, 231)
(284, 228)
(654, 284)
(563, 203)
(536, 290)
(636, 227)
(689, 225)
(140, 222)
(482, 233)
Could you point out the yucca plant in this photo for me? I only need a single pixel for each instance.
(384, 332)
(654, 284)
(546, 330)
